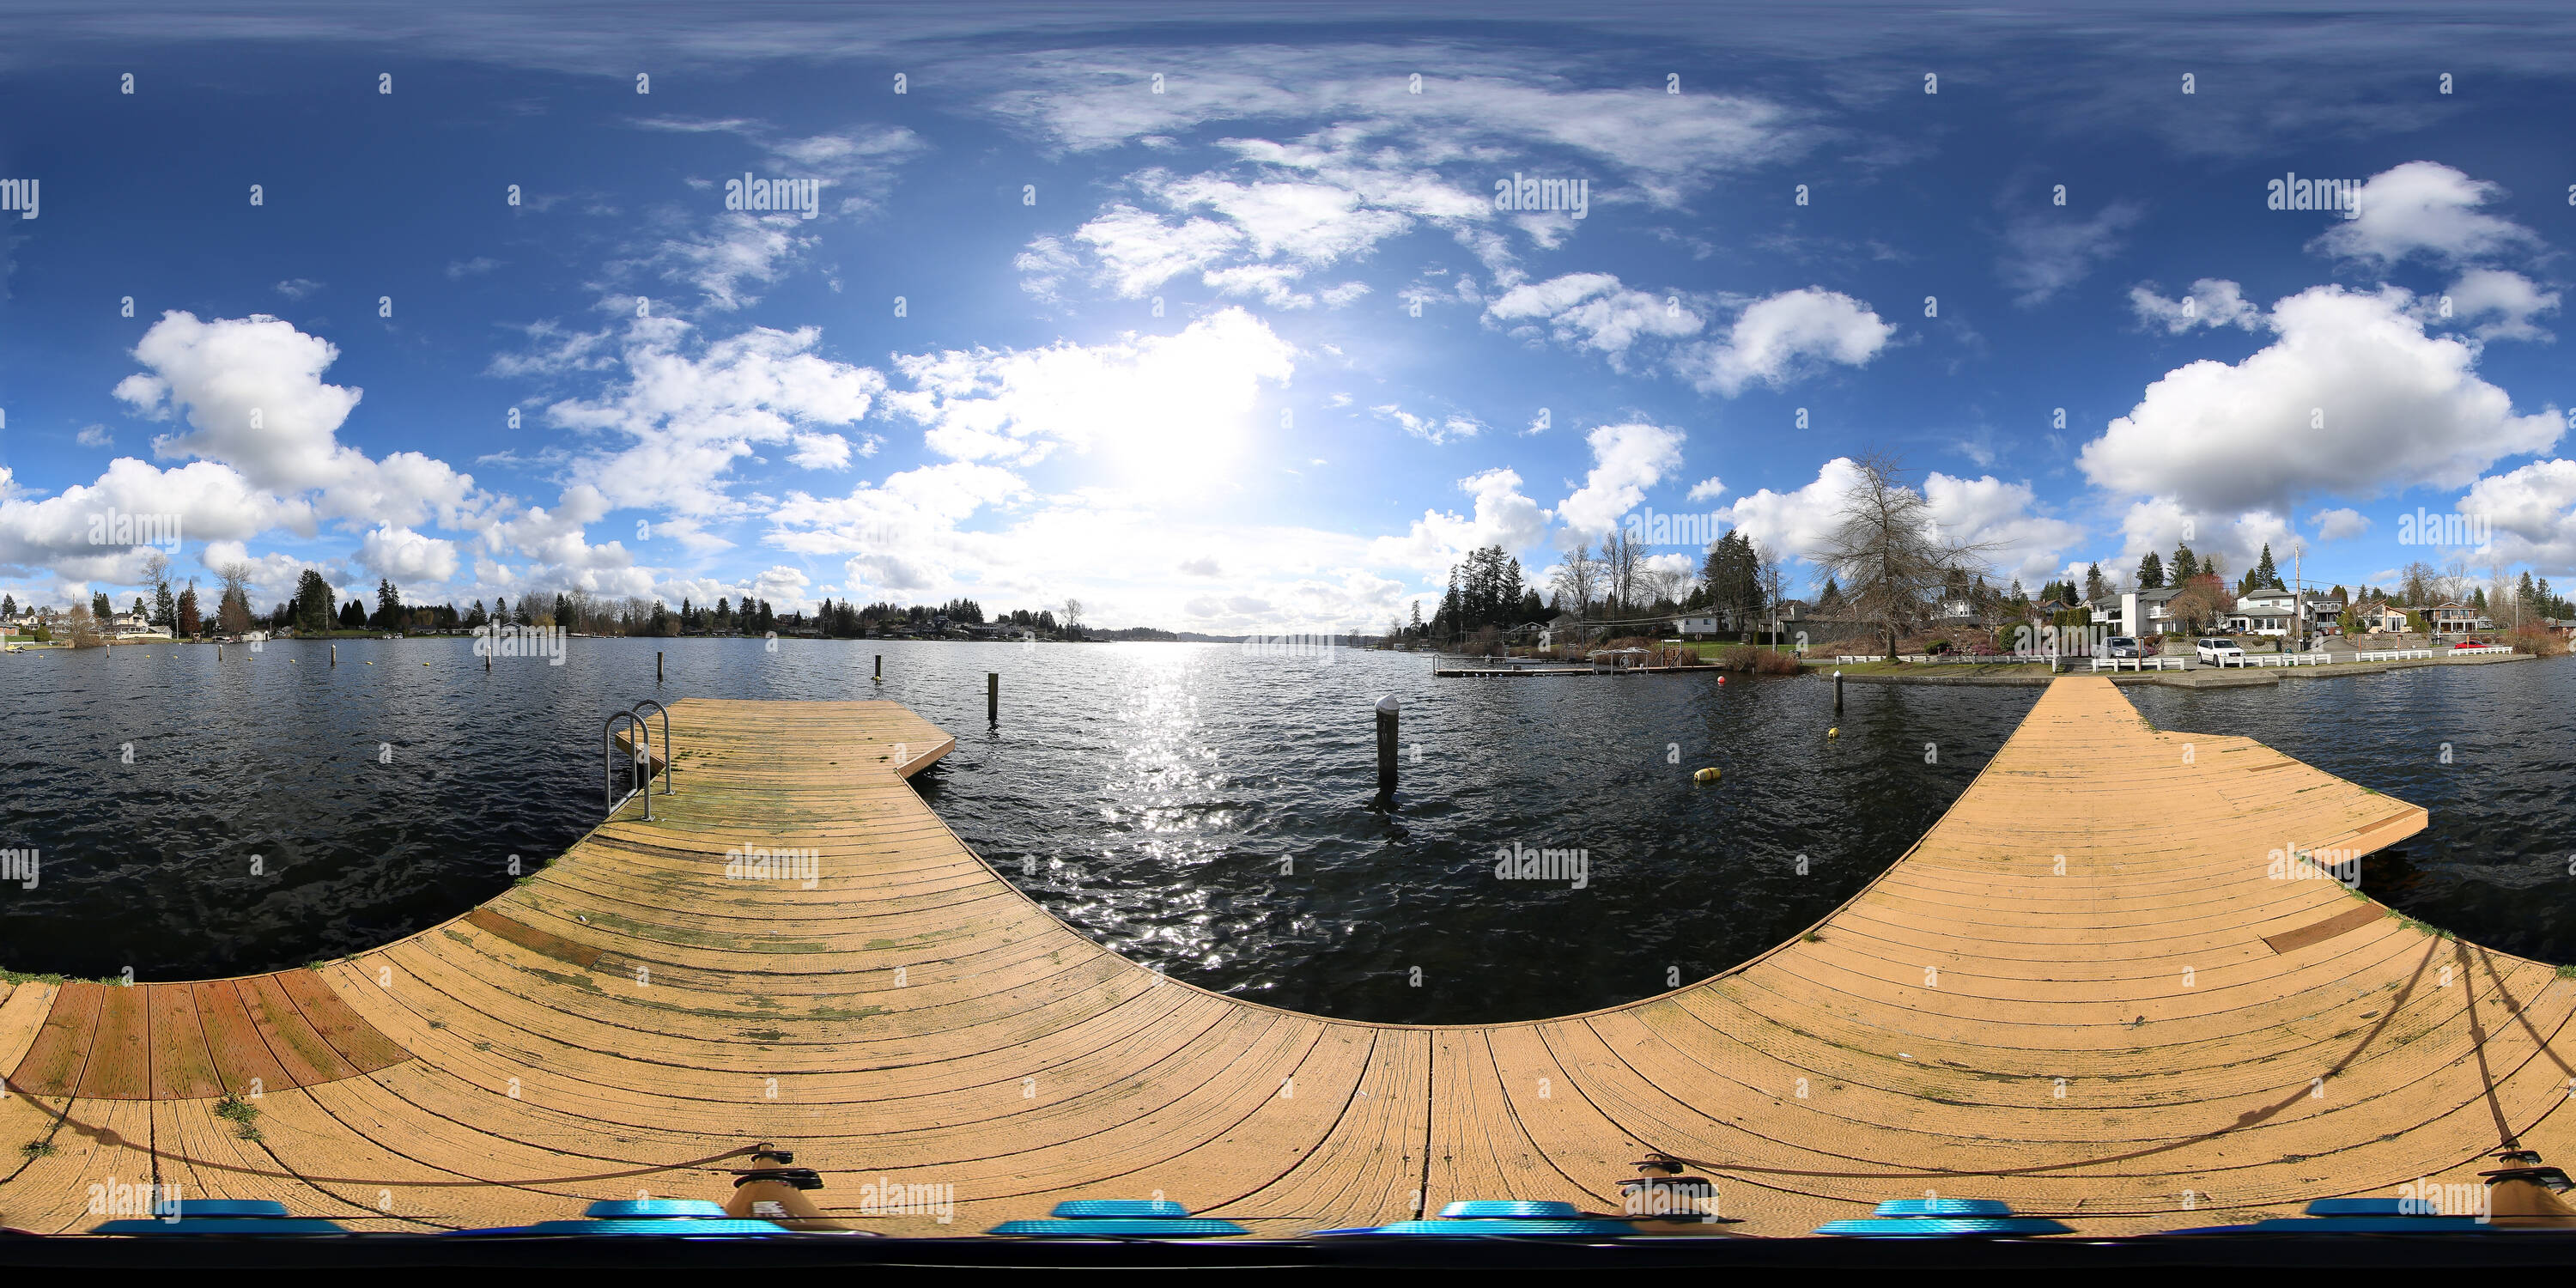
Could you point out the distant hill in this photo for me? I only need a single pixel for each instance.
(1149, 633)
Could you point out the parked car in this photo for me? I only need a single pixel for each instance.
(2470, 643)
(2123, 646)
(2221, 651)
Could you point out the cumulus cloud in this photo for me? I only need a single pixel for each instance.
(2533, 509)
(1591, 311)
(407, 556)
(684, 413)
(1502, 517)
(1986, 511)
(1785, 336)
(2352, 397)
(94, 436)
(1626, 460)
(2429, 209)
(1185, 395)
(2339, 524)
(1707, 489)
(2495, 304)
(2211, 302)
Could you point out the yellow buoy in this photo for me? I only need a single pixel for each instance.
(1708, 775)
(1834, 732)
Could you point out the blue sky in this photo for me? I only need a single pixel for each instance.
(1258, 351)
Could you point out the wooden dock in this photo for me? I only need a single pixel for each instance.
(2082, 992)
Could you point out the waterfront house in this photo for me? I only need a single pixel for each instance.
(1699, 625)
(2383, 619)
(2451, 617)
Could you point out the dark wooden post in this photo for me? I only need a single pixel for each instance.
(657, 666)
(335, 655)
(1386, 746)
(993, 698)
(1838, 693)
(880, 676)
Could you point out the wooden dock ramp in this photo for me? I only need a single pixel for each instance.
(2093, 989)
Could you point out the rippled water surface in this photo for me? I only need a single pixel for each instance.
(1189, 805)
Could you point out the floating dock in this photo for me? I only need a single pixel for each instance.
(2087, 991)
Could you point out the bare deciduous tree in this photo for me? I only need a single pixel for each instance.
(1578, 578)
(1888, 555)
(1620, 560)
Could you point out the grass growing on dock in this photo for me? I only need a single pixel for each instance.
(241, 1113)
(36, 1149)
(8, 976)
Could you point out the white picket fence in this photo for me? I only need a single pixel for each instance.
(2396, 654)
(2483, 648)
(2288, 659)
(2139, 664)
(1841, 659)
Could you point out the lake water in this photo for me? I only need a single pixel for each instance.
(1192, 806)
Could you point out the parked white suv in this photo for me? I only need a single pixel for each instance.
(2219, 651)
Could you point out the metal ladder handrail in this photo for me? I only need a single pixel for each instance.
(670, 757)
(641, 762)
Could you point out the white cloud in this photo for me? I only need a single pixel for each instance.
(1991, 512)
(1626, 460)
(686, 419)
(2533, 509)
(2501, 303)
(2212, 302)
(819, 451)
(296, 288)
(2429, 208)
(2339, 524)
(1159, 406)
(1707, 489)
(1593, 311)
(2399, 408)
(1784, 336)
(1139, 251)
(1796, 523)
(94, 436)
(1503, 517)
(1432, 429)
(407, 556)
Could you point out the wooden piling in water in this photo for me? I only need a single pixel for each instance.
(1838, 693)
(335, 655)
(657, 666)
(993, 697)
(1386, 746)
(880, 675)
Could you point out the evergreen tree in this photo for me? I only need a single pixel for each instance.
(2264, 575)
(388, 606)
(2151, 572)
(101, 609)
(1416, 627)
(186, 611)
(2185, 566)
(2093, 583)
(8, 607)
(312, 607)
(353, 616)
